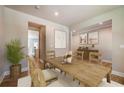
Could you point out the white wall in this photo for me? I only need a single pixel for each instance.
(16, 26)
(117, 17)
(1, 40)
(75, 42)
(104, 45)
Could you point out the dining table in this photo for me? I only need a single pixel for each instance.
(88, 73)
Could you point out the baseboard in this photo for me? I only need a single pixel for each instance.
(118, 73)
(8, 72)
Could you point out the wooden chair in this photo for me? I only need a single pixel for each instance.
(79, 54)
(95, 57)
(48, 74)
(50, 54)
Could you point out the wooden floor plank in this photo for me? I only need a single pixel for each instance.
(8, 82)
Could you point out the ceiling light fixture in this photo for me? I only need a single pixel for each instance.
(74, 31)
(56, 13)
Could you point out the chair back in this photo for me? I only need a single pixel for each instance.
(36, 73)
(31, 65)
(95, 57)
(38, 79)
(79, 54)
(50, 54)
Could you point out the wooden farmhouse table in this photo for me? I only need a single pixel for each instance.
(88, 73)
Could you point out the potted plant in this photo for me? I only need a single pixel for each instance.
(14, 56)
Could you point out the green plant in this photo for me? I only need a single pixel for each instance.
(14, 52)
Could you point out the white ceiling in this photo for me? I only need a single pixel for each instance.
(68, 14)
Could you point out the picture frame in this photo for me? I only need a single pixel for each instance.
(83, 38)
(93, 38)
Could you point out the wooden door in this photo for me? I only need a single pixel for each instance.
(42, 42)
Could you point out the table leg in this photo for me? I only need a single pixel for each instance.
(83, 85)
(109, 77)
(73, 79)
(65, 73)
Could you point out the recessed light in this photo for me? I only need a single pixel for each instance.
(74, 31)
(100, 23)
(56, 13)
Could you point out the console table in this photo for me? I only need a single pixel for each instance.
(86, 52)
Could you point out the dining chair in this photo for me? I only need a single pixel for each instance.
(48, 73)
(38, 80)
(50, 54)
(95, 57)
(79, 54)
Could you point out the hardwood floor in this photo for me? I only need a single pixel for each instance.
(8, 82)
(118, 79)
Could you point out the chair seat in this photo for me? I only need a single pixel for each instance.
(24, 82)
(49, 75)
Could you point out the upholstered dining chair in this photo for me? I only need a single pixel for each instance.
(48, 73)
(95, 57)
(38, 80)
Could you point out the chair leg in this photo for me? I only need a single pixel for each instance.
(65, 73)
(73, 79)
(54, 68)
(79, 83)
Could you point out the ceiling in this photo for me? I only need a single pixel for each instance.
(68, 14)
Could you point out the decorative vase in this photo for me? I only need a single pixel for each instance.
(15, 71)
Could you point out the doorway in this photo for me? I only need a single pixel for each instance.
(36, 40)
(33, 42)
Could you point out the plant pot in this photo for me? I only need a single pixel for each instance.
(15, 71)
